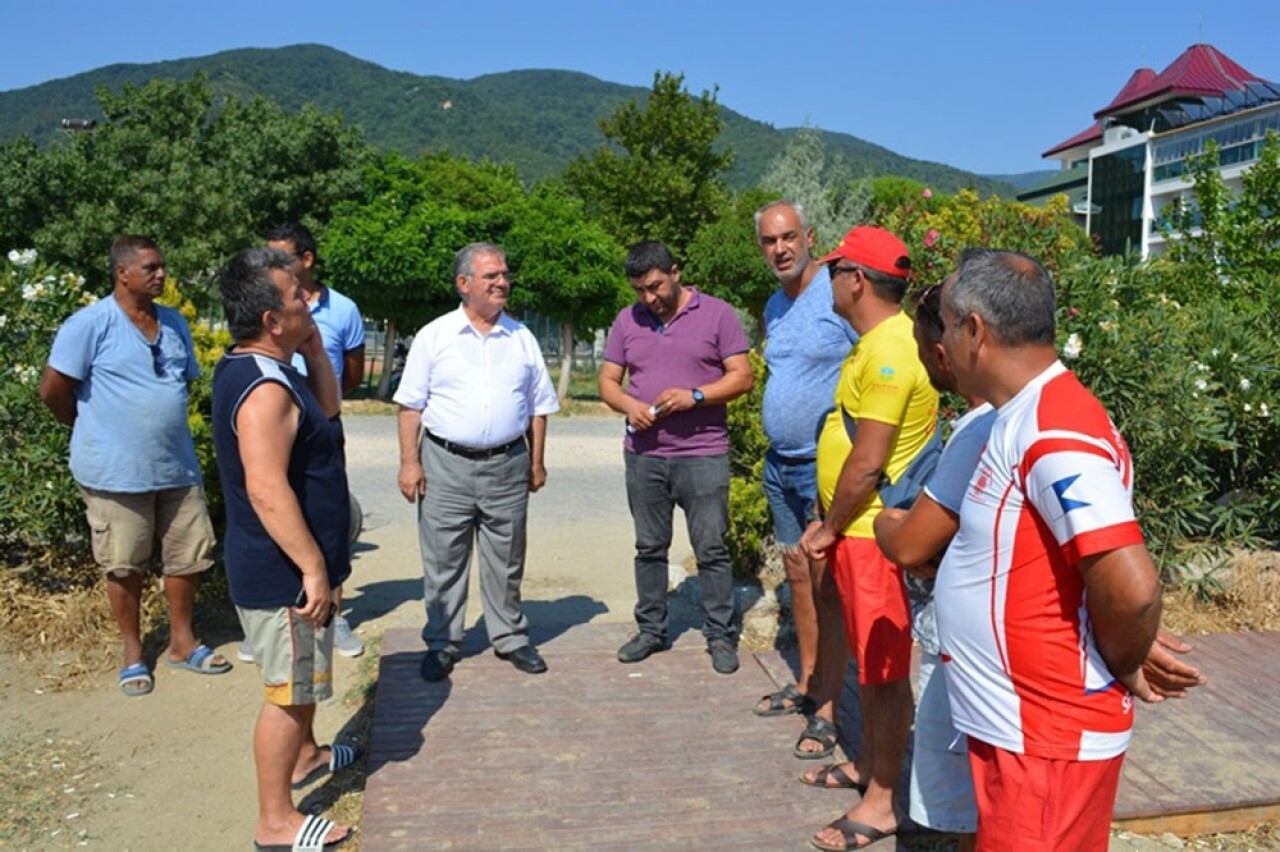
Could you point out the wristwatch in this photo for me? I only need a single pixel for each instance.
(698, 396)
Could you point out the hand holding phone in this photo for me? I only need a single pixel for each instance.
(301, 604)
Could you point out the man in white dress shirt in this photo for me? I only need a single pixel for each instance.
(474, 401)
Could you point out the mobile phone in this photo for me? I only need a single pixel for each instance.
(302, 602)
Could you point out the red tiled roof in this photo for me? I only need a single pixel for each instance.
(1201, 70)
(1138, 82)
(1093, 133)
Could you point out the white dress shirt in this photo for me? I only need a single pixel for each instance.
(477, 390)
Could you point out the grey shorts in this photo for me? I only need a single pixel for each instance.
(295, 657)
(941, 781)
(125, 528)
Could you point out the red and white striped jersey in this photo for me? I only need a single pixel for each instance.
(1053, 485)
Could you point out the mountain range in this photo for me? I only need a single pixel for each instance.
(537, 119)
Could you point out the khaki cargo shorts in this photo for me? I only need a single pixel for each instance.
(125, 528)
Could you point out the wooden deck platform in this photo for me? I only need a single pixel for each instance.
(666, 753)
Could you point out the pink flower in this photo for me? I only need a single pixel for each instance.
(928, 193)
(931, 237)
(1072, 313)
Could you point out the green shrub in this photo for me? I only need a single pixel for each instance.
(750, 523)
(39, 504)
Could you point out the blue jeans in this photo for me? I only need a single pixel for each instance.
(791, 487)
(699, 486)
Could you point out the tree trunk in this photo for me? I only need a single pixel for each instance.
(388, 361)
(566, 361)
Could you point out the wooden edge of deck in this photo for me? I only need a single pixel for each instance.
(1201, 822)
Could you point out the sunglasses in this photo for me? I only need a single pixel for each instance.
(157, 356)
(929, 307)
(835, 270)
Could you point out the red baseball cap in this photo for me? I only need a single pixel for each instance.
(874, 248)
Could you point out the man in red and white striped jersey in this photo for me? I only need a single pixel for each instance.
(1047, 600)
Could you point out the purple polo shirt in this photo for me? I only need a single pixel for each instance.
(688, 352)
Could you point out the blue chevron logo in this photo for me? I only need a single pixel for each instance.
(1061, 487)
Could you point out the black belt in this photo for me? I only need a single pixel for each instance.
(471, 452)
(789, 461)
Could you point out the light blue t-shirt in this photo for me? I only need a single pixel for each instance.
(960, 458)
(341, 328)
(946, 487)
(805, 344)
(131, 434)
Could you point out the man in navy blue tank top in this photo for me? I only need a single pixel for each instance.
(281, 465)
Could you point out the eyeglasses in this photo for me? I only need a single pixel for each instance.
(157, 356)
(834, 270)
(929, 307)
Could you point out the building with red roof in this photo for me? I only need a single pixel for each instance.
(1123, 170)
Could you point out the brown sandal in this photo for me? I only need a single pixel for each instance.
(824, 774)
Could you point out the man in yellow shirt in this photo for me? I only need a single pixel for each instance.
(885, 414)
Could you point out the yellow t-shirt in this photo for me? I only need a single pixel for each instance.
(881, 380)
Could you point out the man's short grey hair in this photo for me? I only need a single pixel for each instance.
(1012, 293)
(783, 202)
(464, 260)
(248, 291)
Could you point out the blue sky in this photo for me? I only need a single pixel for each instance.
(985, 86)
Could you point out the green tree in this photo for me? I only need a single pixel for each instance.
(724, 258)
(568, 268)
(393, 251)
(833, 199)
(658, 176)
(201, 176)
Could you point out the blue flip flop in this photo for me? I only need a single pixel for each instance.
(131, 675)
(201, 661)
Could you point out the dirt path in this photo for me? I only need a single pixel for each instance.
(173, 770)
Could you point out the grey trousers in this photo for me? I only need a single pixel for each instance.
(468, 500)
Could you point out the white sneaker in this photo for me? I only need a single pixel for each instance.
(245, 653)
(345, 642)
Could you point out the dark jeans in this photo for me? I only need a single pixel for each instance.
(699, 486)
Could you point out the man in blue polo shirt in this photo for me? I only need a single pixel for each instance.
(805, 344)
(684, 355)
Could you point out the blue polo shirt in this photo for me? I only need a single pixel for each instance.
(806, 341)
(341, 328)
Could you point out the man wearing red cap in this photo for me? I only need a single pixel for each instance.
(885, 414)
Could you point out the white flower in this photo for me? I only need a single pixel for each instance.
(1214, 352)
(1235, 356)
(1201, 384)
(26, 257)
(1262, 409)
(1204, 368)
(3, 319)
(1071, 349)
(1107, 325)
(1244, 384)
(1248, 408)
(31, 292)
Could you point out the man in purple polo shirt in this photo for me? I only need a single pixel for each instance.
(684, 355)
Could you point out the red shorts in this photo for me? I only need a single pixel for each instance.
(877, 616)
(1040, 803)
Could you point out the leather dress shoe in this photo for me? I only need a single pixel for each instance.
(639, 647)
(525, 658)
(436, 665)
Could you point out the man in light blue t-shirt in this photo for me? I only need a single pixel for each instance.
(342, 332)
(118, 375)
(805, 344)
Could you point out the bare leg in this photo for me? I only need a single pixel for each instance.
(277, 739)
(889, 714)
(832, 659)
(125, 596)
(804, 612)
(180, 592)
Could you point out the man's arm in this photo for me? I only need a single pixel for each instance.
(858, 480)
(352, 369)
(736, 381)
(611, 392)
(59, 393)
(1123, 599)
(537, 437)
(267, 424)
(412, 479)
(1168, 676)
(913, 537)
(320, 377)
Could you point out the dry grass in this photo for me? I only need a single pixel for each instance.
(59, 625)
(1248, 600)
